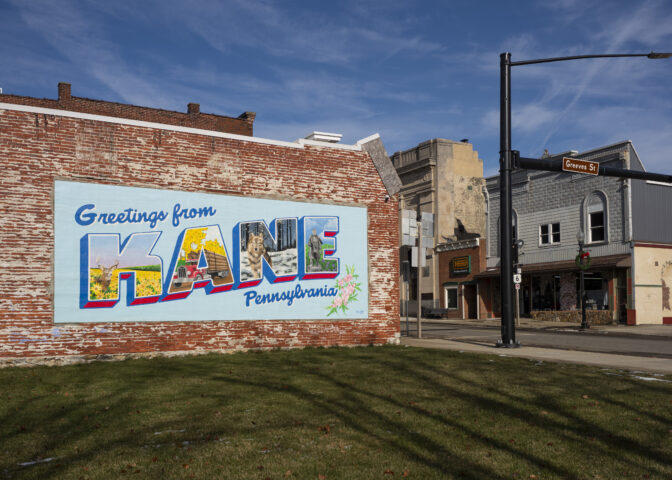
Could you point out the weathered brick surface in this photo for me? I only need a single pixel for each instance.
(37, 149)
(242, 125)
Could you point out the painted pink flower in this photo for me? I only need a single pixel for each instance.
(337, 302)
(348, 278)
(341, 282)
(350, 289)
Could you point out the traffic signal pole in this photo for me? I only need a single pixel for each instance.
(508, 339)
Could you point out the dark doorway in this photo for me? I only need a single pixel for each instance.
(470, 301)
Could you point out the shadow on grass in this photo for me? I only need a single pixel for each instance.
(614, 442)
(119, 407)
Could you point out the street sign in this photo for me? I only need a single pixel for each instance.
(580, 166)
(517, 278)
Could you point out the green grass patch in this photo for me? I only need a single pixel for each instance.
(148, 268)
(338, 413)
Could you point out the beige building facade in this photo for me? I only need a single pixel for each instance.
(652, 269)
(445, 178)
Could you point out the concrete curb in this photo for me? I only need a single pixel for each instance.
(606, 360)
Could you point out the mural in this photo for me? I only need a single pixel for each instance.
(134, 254)
(666, 281)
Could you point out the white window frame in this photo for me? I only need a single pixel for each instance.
(590, 209)
(457, 297)
(550, 234)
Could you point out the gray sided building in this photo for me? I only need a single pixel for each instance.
(627, 226)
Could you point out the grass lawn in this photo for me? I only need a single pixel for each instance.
(362, 413)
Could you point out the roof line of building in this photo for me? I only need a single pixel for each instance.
(605, 147)
(580, 154)
(173, 128)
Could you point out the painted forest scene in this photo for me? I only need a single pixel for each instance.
(257, 246)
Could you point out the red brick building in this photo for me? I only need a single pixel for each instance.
(459, 263)
(71, 139)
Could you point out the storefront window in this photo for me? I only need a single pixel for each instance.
(546, 292)
(596, 291)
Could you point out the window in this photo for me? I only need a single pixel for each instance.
(549, 233)
(596, 219)
(451, 298)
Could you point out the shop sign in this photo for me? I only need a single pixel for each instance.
(461, 264)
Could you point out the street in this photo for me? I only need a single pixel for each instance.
(561, 338)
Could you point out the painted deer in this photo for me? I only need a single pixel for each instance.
(105, 274)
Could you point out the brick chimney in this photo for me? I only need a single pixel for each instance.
(193, 108)
(63, 91)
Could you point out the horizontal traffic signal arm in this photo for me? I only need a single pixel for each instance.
(555, 165)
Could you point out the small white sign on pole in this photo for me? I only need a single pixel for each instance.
(409, 227)
(414, 257)
(427, 224)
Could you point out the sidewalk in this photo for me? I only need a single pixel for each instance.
(529, 324)
(606, 360)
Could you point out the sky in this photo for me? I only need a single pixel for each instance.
(410, 71)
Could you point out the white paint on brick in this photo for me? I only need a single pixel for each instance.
(115, 153)
(174, 128)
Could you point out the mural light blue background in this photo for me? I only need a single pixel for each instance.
(69, 196)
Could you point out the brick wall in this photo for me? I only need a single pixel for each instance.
(37, 149)
(446, 275)
(243, 125)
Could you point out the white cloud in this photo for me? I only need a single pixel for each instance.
(311, 35)
(649, 24)
(78, 38)
(532, 117)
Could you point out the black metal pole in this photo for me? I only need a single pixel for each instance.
(506, 234)
(584, 323)
(582, 288)
(505, 164)
(555, 165)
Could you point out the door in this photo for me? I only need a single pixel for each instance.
(470, 298)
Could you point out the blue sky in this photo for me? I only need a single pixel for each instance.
(410, 71)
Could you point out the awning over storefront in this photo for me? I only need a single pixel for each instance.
(611, 261)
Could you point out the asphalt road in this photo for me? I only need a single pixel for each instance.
(564, 339)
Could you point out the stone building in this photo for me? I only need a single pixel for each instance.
(132, 230)
(445, 178)
(627, 227)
